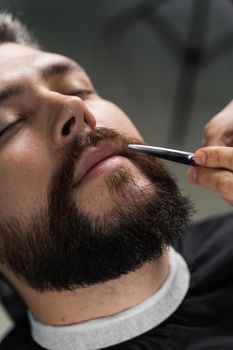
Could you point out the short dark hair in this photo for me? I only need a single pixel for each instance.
(12, 30)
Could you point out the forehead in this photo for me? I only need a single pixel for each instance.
(18, 61)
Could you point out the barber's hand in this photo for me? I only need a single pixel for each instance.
(215, 170)
(219, 130)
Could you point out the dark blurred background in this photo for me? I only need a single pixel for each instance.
(167, 63)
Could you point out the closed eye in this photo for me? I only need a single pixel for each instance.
(11, 126)
(83, 94)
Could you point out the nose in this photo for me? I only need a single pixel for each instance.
(73, 117)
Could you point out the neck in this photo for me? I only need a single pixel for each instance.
(105, 299)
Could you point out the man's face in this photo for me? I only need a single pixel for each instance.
(35, 142)
(72, 194)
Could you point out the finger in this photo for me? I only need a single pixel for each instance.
(219, 130)
(215, 157)
(214, 179)
(229, 201)
(204, 142)
(213, 138)
(212, 135)
(219, 138)
(212, 141)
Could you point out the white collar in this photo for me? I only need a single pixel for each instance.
(103, 332)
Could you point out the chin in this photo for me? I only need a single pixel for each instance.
(99, 196)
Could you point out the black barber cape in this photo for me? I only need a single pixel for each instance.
(204, 320)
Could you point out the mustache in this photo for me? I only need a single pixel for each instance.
(62, 179)
(81, 143)
(60, 189)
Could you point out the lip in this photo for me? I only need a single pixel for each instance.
(92, 158)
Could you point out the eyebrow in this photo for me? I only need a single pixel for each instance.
(11, 91)
(17, 89)
(57, 68)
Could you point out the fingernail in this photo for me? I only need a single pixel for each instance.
(200, 158)
(192, 174)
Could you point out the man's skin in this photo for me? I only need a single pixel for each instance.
(30, 150)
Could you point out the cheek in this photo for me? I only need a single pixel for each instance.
(24, 177)
(108, 115)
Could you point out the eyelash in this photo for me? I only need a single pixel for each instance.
(83, 94)
(8, 127)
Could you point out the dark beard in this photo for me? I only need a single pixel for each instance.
(63, 248)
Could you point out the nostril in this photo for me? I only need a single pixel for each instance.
(68, 125)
